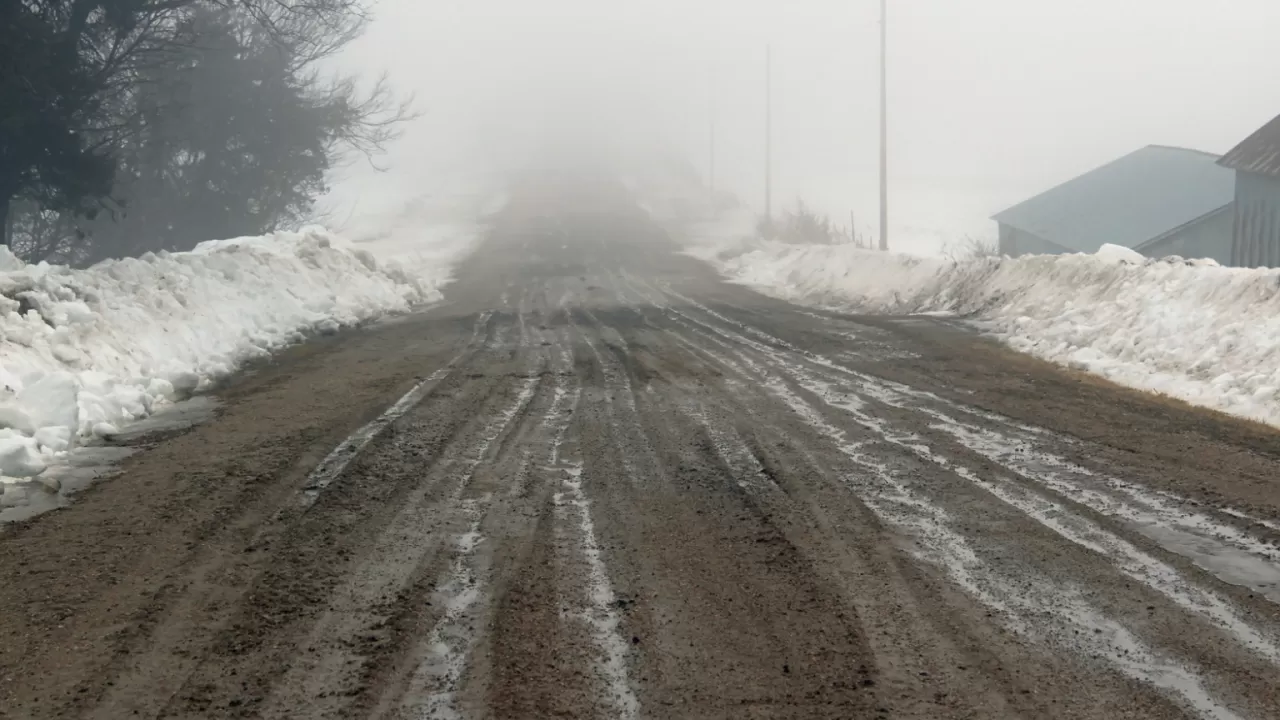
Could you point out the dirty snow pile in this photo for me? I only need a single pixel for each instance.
(1190, 329)
(83, 352)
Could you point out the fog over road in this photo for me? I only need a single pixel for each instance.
(597, 482)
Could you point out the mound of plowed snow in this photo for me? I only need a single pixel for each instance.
(1190, 329)
(83, 352)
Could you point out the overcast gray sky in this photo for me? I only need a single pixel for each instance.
(990, 100)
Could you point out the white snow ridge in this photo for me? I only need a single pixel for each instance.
(84, 352)
(1190, 329)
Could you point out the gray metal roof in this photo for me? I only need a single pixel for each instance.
(1258, 153)
(1129, 201)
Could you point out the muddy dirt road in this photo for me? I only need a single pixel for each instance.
(598, 483)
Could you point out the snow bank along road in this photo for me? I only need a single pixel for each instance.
(597, 482)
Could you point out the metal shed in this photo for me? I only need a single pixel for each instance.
(1158, 200)
(1256, 220)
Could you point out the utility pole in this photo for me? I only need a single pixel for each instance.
(711, 133)
(884, 126)
(768, 137)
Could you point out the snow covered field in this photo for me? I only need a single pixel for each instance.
(1189, 329)
(86, 352)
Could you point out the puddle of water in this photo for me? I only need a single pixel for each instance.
(179, 416)
(1229, 564)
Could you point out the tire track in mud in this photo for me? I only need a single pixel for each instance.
(889, 501)
(594, 604)
(596, 607)
(1129, 559)
(841, 536)
(948, 550)
(1022, 606)
(209, 610)
(1042, 485)
(1096, 512)
(409, 553)
(810, 514)
(201, 665)
(562, 589)
(708, 647)
(435, 686)
(1215, 543)
(622, 421)
(328, 623)
(337, 461)
(435, 565)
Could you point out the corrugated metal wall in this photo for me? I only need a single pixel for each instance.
(1208, 238)
(1256, 235)
(1015, 242)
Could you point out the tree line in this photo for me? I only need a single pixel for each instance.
(129, 126)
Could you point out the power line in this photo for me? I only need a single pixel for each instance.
(884, 127)
(768, 136)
